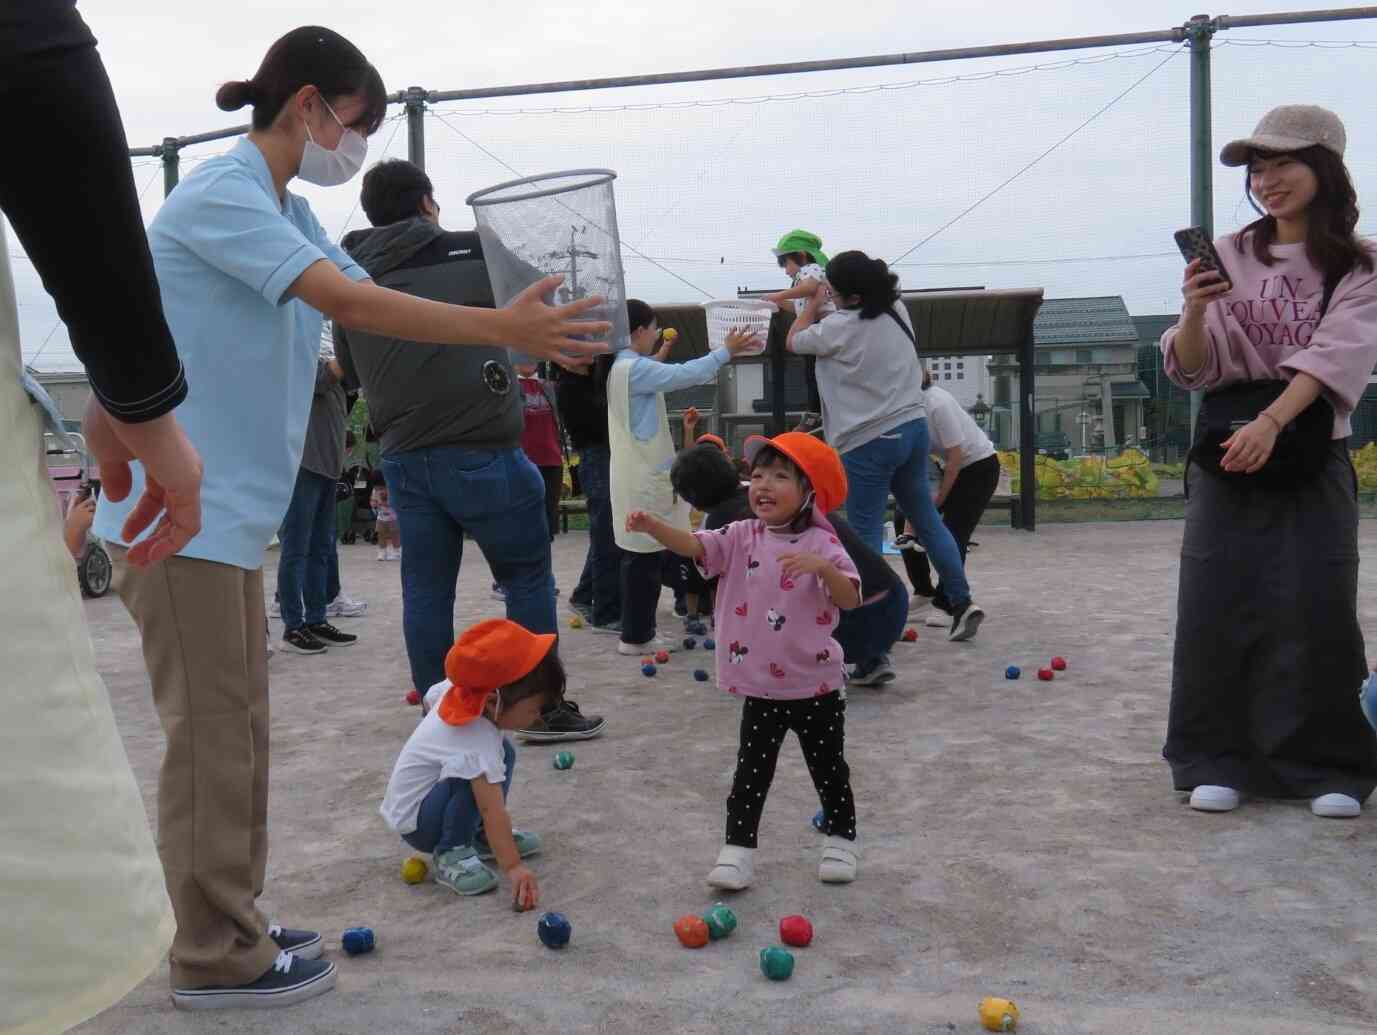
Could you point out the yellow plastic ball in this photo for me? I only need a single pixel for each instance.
(998, 1014)
(414, 870)
(576, 622)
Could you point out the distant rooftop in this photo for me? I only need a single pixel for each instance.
(1084, 321)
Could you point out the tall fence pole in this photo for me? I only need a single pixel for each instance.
(171, 163)
(1200, 32)
(415, 101)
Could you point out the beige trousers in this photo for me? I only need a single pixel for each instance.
(83, 914)
(202, 625)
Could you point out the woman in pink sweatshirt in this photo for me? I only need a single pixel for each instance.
(1269, 656)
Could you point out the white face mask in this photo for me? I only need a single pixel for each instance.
(331, 168)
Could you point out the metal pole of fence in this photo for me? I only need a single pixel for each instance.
(415, 101)
(1200, 31)
(171, 163)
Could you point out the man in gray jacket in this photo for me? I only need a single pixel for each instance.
(450, 421)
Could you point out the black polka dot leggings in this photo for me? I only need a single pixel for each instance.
(820, 723)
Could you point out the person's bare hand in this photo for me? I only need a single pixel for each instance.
(1201, 287)
(1250, 447)
(803, 564)
(525, 888)
(740, 340)
(172, 479)
(555, 333)
(691, 418)
(640, 521)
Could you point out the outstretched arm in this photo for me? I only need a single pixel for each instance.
(685, 544)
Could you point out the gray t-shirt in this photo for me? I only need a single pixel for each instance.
(324, 452)
(868, 375)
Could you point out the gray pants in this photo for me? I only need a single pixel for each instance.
(1269, 656)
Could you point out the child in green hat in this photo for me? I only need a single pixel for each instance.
(800, 255)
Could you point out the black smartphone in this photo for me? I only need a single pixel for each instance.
(1196, 244)
(91, 490)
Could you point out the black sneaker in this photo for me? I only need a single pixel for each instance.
(328, 634)
(965, 622)
(300, 641)
(289, 980)
(564, 722)
(304, 945)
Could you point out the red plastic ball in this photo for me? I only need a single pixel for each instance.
(692, 931)
(662, 658)
(1045, 674)
(413, 697)
(1059, 663)
(910, 635)
(796, 931)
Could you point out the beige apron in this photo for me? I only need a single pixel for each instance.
(86, 916)
(640, 470)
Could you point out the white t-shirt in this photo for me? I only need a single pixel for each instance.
(949, 425)
(438, 751)
(812, 272)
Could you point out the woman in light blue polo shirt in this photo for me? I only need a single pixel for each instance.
(247, 275)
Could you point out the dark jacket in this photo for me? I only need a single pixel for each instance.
(430, 395)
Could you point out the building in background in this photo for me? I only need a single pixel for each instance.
(967, 378)
(70, 389)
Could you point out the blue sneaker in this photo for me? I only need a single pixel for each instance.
(460, 870)
(527, 844)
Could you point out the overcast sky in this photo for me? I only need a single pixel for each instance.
(705, 191)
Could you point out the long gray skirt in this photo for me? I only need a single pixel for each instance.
(1269, 656)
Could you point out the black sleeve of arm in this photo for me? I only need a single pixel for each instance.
(345, 357)
(78, 217)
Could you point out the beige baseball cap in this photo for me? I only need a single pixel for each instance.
(1289, 128)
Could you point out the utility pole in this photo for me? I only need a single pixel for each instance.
(1200, 31)
(415, 101)
(169, 154)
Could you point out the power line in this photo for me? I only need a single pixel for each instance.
(359, 200)
(621, 240)
(971, 208)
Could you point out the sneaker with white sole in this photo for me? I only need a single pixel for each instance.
(300, 641)
(966, 622)
(460, 870)
(345, 606)
(654, 646)
(527, 844)
(563, 722)
(1336, 806)
(879, 672)
(936, 618)
(304, 945)
(289, 980)
(839, 859)
(1210, 797)
(735, 868)
(610, 629)
(330, 636)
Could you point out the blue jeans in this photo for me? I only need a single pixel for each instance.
(308, 533)
(449, 814)
(866, 632)
(497, 498)
(600, 584)
(897, 462)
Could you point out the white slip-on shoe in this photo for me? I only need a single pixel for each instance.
(839, 859)
(1209, 797)
(1336, 806)
(734, 869)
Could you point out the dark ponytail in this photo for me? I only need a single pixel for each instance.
(855, 273)
(309, 56)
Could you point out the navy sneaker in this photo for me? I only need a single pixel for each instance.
(288, 981)
(564, 722)
(304, 945)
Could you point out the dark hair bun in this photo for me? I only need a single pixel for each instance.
(235, 95)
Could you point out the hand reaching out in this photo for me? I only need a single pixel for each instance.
(525, 888)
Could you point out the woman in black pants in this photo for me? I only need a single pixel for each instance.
(969, 478)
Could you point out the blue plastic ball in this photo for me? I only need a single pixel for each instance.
(709, 644)
(554, 930)
(700, 674)
(1012, 672)
(358, 940)
(690, 643)
(820, 821)
(647, 670)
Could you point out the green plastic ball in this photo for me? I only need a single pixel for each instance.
(564, 760)
(776, 964)
(721, 922)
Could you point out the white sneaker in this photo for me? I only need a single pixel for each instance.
(839, 859)
(734, 869)
(654, 646)
(936, 618)
(1210, 797)
(1336, 806)
(345, 606)
(382, 554)
(966, 622)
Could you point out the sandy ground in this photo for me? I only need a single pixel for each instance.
(1020, 838)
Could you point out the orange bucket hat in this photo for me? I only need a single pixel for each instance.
(711, 439)
(816, 459)
(487, 656)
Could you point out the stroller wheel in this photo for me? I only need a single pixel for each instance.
(94, 571)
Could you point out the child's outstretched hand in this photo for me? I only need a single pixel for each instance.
(803, 563)
(640, 521)
(691, 418)
(525, 888)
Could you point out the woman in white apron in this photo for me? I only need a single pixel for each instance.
(642, 454)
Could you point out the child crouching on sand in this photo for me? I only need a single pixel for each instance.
(447, 793)
(783, 577)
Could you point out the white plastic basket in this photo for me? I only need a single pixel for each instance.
(747, 314)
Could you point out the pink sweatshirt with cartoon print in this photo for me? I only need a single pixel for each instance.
(1268, 327)
(774, 633)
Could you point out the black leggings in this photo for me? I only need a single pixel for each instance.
(554, 489)
(820, 723)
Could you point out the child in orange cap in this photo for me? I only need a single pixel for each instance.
(448, 790)
(783, 578)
